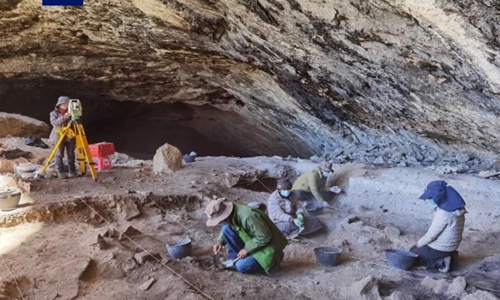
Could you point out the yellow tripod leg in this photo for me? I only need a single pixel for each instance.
(86, 151)
(64, 132)
(80, 153)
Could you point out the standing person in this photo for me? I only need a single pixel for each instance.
(285, 210)
(59, 118)
(437, 248)
(309, 185)
(249, 235)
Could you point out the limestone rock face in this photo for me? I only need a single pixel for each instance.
(167, 159)
(310, 75)
(22, 126)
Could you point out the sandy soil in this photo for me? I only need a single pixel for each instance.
(61, 245)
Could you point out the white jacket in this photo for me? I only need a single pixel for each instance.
(281, 209)
(445, 233)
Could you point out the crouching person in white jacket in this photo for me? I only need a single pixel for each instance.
(437, 248)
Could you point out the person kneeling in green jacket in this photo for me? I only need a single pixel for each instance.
(249, 235)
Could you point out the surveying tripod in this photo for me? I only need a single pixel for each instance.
(74, 129)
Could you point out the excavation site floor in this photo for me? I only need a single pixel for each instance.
(80, 239)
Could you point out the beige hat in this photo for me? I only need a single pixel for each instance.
(218, 210)
(326, 166)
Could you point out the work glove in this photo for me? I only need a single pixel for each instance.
(335, 189)
(299, 221)
(300, 217)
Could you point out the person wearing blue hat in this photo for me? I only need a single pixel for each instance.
(437, 248)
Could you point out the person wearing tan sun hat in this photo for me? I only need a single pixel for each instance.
(249, 235)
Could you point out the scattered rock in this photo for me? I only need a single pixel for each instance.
(348, 220)
(111, 233)
(22, 126)
(145, 256)
(402, 164)
(146, 285)
(397, 295)
(456, 288)
(103, 245)
(379, 161)
(364, 240)
(437, 286)
(26, 168)
(397, 157)
(130, 232)
(392, 231)
(68, 285)
(480, 295)
(366, 288)
(462, 157)
(127, 209)
(488, 174)
(167, 159)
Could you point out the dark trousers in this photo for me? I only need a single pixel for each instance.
(68, 146)
(234, 244)
(431, 258)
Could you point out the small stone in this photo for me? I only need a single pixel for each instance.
(379, 160)
(127, 209)
(480, 295)
(462, 157)
(487, 174)
(348, 220)
(130, 232)
(103, 245)
(146, 285)
(392, 231)
(145, 256)
(397, 157)
(397, 295)
(364, 240)
(402, 164)
(366, 287)
(456, 288)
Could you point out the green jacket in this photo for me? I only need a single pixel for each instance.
(311, 182)
(262, 238)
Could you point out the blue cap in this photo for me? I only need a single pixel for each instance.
(445, 196)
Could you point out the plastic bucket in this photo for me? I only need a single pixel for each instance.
(400, 259)
(328, 256)
(189, 158)
(9, 199)
(180, 249)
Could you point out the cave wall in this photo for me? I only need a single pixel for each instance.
(325, 74)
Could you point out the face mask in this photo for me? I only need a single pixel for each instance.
(326, 174)
(285, 193)
(431, 201)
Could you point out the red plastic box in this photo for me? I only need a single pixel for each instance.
(102, 163)
(101, 149)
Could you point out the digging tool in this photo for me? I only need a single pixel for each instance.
(228, 264)
(293, 236)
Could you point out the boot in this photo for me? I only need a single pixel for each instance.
(62, 175)
(446, 265)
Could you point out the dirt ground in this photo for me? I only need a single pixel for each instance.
(65, 241)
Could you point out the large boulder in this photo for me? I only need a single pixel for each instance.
(22, 126)
(167, 159)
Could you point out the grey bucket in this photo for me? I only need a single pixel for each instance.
(400, 259)
(189, 158)
(328, 256)
(180, 249)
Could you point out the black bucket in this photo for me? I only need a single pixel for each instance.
(328, 256)
(180, 249)
(400, 259)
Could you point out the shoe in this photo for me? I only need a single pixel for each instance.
(62, 175)
(446, 265)
(72, 175)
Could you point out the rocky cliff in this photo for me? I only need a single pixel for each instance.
(273, 76)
